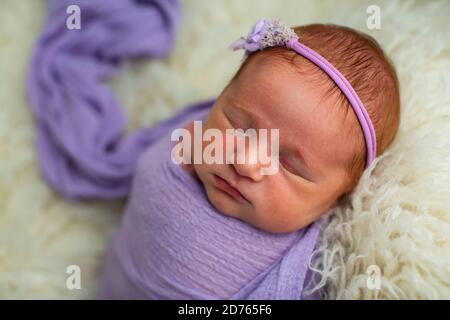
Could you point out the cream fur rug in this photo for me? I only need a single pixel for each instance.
(397, 220)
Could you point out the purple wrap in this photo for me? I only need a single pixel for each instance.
(173, 244)
(80, 123)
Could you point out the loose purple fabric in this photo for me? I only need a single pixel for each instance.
(80, 123)
(173, 244)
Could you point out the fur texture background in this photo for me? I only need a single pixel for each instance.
(397, 219)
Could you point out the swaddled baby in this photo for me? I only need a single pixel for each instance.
(226, 230)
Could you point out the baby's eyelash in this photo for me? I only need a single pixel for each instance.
(294, 171)
(287, 166)
(233, 123)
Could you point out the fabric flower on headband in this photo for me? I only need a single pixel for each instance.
(265, 33)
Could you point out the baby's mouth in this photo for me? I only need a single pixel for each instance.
(225, 186)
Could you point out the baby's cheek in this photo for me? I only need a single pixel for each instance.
(282, 206)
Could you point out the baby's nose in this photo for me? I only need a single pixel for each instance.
(252, 171)
(247, 162)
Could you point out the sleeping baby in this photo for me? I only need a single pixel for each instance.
(228, 229)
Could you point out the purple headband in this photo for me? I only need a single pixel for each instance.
(269, 33)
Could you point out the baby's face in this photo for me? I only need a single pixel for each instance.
(313, 149)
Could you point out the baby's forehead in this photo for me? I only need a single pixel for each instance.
(284, 89)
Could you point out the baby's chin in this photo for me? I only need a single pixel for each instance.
(223, 202)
